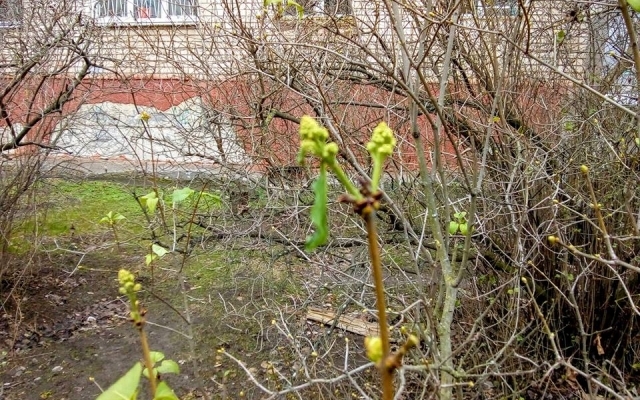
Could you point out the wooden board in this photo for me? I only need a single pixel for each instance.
(345, 322)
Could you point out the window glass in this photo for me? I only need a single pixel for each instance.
(147, 8)
(328, 7)
(502, 7)
(181, 7)
(140, 10)
(111, 8)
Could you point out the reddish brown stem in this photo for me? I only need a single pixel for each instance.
(386, 371)
(146, 352)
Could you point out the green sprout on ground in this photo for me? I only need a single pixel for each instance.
(153, 362)
(112, 219)
(149, 202)
(365, 201)
(156, 252)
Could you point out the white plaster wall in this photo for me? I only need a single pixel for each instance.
(115, 130)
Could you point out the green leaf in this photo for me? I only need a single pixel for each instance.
(148, 259)
(152, 204)
(156, 356)
(165, 367)
(112, 218)
(460, 216)
(319, 212)
(158, 250)
(150, 201)
(164, 392)
(560, 36)
(464, 228)
(125, 388)
(210, 196)
(453, 227)
(298, 7)
(180, 195)
(168, 367)
(635, 4)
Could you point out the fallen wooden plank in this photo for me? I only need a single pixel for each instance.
(345, 322)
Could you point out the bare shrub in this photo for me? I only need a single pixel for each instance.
(45, 62)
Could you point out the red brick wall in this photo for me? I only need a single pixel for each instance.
(356, 109)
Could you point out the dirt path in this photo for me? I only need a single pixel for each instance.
(62, 325)
(75, 328)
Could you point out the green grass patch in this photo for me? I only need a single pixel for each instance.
(61, 205)
(83, 204)
(244, 270)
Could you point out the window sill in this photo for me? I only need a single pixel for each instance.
(507, 11)
(318, 17)
(10, 25)
(149, 22)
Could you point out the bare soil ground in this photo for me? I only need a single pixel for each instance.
(64, 330)
(64, 326)
(69, 329)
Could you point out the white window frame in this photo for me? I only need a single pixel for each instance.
(134, 15)
(12, 15)
(507, 8)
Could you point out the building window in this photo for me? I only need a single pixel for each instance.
(10, 12)
(145, 11)
(498, 7)
(324, 7)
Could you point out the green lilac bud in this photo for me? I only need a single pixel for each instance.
(128, 285)
(384, 134)
(382, 140)
(373, 347)
(308, 147)
(584, 169)
(311, 130)
(144, 116)
(386, 150)
(330, 150)
(126, 280)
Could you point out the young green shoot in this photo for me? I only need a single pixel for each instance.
(112, 219)
(127, 387)
(365, 201)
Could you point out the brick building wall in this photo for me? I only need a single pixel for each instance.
(208, 69)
